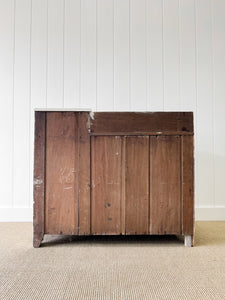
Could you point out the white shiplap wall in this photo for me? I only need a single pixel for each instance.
(139, 55)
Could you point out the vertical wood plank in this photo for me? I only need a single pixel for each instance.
(21, 108)
(55, 53)
(105, 184)
(84, 173)
(39, 178)
(188, 184)
(137, 184)
(138, 70)
(204, 130)
(171, 54)
(88, 54)
(105, 64)
(165, 182)
(155, 55)
(6, 96)
(62, 166)
(123, 186)
(121, 55)
(71, 53)
(218, 43)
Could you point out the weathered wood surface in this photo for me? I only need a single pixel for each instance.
(62, 165)
(105, 185)
(165, 183)
(137, 185)
(187, 157)
(39, 179)
(138, 122)
(88, 180)
(84, 172)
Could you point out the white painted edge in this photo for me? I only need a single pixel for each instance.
(25, 214)
(187, 240)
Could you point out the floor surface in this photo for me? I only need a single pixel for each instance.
(112, 267)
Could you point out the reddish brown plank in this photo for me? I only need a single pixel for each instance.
(84, 173)
(123, 190)
(188, 184)
(61, 209)
(142, 122)
(106, 185)
(137, 184)
(165, 182)
(39, 179)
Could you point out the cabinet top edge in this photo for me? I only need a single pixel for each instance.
(94, 111)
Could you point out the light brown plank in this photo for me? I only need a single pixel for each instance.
(142, 122)
(188, 184)
(61, 210)
(165, 182)
(106, 185)
(84, 173)
(39, 179)
(137, 184)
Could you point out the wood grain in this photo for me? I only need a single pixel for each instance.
(105, 185)
(137, 184)
(165, 185)
(39, 179)
(188, 184)
(154, 123)
(84, 173)
(62, 165)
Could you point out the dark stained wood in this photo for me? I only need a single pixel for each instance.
(123, 185)
(165, 182)
(137, 184)
(105, 185)
(62, 165)
(84, 173)
(139, 122)
(188, 184)
(39, 179)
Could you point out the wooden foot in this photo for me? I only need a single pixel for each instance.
(37, 241)
(188, 241)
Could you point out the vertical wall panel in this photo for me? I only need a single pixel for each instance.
(105, 49)
(38, 70)
(171, 54)
(155, 55)
(6, 99)
(138, 70)
(219, 99)
(71, 53)
(187, 55)
(55, 83)
(204, 130)
(88, 54)
(22, 104)
(121, 55)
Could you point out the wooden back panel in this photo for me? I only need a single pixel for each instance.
(141, 166)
